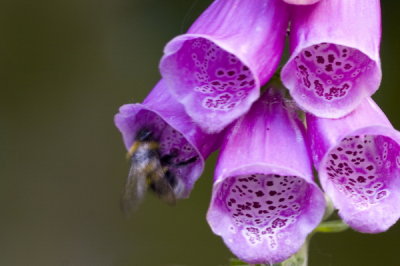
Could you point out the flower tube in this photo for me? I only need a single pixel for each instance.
(216, 69)
(358, 161)
(335, 60)
(264, 200)
(175, 132)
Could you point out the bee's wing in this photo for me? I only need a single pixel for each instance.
(134, 191)
(162, 188)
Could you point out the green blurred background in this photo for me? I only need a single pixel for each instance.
(65, 67)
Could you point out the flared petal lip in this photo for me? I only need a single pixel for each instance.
(374, 131)
(175, 44)
(260, 168)
(255, 256)
(371, 130)
(285, 73)
(299, 48)
(133, 110)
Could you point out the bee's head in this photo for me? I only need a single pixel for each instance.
(144, 135)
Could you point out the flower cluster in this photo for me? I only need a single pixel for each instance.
(264, 200)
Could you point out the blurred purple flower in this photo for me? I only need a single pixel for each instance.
(264, 201)
(358, 160)
(173, 129)
(216, 69)
(335, 59)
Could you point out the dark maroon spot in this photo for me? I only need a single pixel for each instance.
(361, 179)
(381, 194)
(270, 183)
(220, 72)
(338, 63)
(331, 58)
(329, 67)
(281, 199)
(279, 223)
(302, 67)
(347, 66)
(370, 167)
(334, 156)
(245, 68)
(269, 202)
(256, 205)
(272, 193)
(259, 193)
(319, 88)
(320, 59)
(231, 73)
(272, 208)
(307, 53)
(215, 83)
(241, 77)
(371, 177)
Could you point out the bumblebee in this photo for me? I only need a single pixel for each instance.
(149, 170)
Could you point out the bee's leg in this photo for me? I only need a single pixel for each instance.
(188, 161)
(150, 183)
(170, 178)
(167, 158)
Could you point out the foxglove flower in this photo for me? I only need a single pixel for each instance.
(173, 129)
(264, 201)
(301, 2)
(216, 69)
(335, 59)
(358, 160)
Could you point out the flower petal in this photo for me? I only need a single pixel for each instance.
(301, 2)
(358, 160)
(264, 201)
(172, 127)
(335, 59)
(216, 69)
